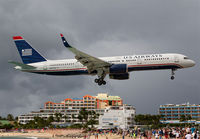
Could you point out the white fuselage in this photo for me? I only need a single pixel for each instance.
(133, 62)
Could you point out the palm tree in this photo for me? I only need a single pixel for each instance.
(92, 118)
(10, 117)
(189, 117)
(139, 119)
(80, 117)
(50, 119)
(16, 118)
(58, 116)
(87, 117)
(73, 118)
(83, 117)
(147, 119)
(156, 119)
(66, 118)
(40, 122)
(182, 118)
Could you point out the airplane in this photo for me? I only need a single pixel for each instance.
(117, 67)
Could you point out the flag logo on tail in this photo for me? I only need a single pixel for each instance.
(26, 52)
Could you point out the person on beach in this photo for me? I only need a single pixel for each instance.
(166, 135)
(89, 135)
(156, 135)
(96, 135)
(177, 134)
(123, 134)
(188, 136)
(194, 135)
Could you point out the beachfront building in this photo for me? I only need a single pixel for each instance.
(70, 107)
(101, 101)
(176, 111)
(117, 117)
(104, 100)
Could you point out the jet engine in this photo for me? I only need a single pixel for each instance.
(118, 69)
(123, 76)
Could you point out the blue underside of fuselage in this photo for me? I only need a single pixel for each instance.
(75, 72)
(85, 72)
(160, 67)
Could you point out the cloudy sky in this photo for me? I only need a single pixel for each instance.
(100, 28)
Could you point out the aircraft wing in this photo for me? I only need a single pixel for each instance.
(92, 63)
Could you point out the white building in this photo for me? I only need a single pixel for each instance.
(72, 115)
(115, 113)
(70, 108)
(117, 117)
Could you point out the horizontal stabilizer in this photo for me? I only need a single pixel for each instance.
(22, 66)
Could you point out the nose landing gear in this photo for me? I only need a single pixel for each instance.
(173, 73)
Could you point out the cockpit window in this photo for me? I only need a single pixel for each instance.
(186, 58)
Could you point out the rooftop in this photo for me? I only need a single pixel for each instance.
(100, 96)
(177, 105)
(105, 96)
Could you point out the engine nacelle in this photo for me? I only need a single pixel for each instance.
(124, 76)
(118, 69)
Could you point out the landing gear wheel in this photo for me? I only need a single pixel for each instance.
(99, 83)
(96, 80)
(173, 73)
(104, 82)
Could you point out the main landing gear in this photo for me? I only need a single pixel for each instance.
(101, 75)
(100, 82)
(173, 73)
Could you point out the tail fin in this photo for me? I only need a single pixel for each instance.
(27, 53)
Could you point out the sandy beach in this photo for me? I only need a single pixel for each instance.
(56, 134)
(40, 135)
(45, 135)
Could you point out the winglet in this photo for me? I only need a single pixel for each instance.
(64, 41)
(61, 35)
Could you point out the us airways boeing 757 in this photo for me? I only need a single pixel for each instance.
(117, 67)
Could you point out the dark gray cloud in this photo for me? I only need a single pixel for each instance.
(100, 28)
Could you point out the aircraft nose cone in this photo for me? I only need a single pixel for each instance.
(192, 63)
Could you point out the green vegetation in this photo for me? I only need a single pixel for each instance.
(153, 121)
(10, 117)
(5, 124)
(149, 120)
(87, 118)
(185, 118)
(37, 123)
